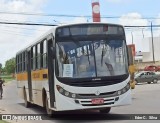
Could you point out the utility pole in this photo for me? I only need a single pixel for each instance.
(152, 43)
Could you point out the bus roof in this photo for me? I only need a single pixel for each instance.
(52, 30)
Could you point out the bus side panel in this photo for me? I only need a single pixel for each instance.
(40, 82)
(22, 84)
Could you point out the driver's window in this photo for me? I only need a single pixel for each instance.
(142, 74)
(148, 73)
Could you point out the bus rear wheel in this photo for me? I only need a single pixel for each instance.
(49, 111)
(105, 110)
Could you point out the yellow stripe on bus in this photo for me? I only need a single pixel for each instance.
(39, 74)
(36, 75)
(22, 76)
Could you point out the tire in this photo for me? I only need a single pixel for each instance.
(106, 110)
(136, 82)
(155, 80)
(149, 82)
(50, 112)
(26, 103)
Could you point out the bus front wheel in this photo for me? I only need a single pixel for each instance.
(105, 110)
(49, 111)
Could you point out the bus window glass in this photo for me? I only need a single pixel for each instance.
(24, 61)
(91, 51)
(34, 58)
(38, 56)
(20, 62)
(44, 54)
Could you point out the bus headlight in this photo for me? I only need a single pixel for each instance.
(124, 90)
(65, 93)
(73, 95)
(119, 92)
(61, 90)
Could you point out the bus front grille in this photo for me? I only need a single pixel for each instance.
(98, 104)
(88, 102)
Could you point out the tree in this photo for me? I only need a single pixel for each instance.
(10, 66)
(0, 68)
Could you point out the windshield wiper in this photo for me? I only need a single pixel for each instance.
(102, 54)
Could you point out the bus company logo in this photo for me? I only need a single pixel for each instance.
(96, 79)
(97, 93)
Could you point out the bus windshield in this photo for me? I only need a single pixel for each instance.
(91, 58)
(87, 52)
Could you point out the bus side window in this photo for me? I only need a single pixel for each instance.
(34, 58)
(17, 63)
(20, 62)
(23, 61)
(44, 54)
(38, 57)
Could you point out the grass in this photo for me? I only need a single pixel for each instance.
(7, 78)
(2, 121)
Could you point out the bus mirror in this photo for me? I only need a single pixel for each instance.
(131, 61)
(130, 56)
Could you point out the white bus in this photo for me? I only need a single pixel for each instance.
(76, 67)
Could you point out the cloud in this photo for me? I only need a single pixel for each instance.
(157, 22)
(114, 1)
(79, 20)
(14, 37)
(133, 19)
(117, 1)
(135, 34)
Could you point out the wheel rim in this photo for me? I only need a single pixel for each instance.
(155, 80)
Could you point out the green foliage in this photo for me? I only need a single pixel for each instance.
(10, 66)
(3, 70)
(0, 66)
(2, 121)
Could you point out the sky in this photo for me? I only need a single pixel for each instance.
(127, 12)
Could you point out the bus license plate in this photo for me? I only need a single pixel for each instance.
(97, 101)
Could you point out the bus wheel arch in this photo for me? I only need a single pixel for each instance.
(44, 96)
(49, 111)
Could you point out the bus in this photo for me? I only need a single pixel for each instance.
(75, 67)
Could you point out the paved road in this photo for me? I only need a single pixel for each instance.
(146, 100)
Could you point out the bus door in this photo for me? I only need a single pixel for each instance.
(51, 70)
(29, 74)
